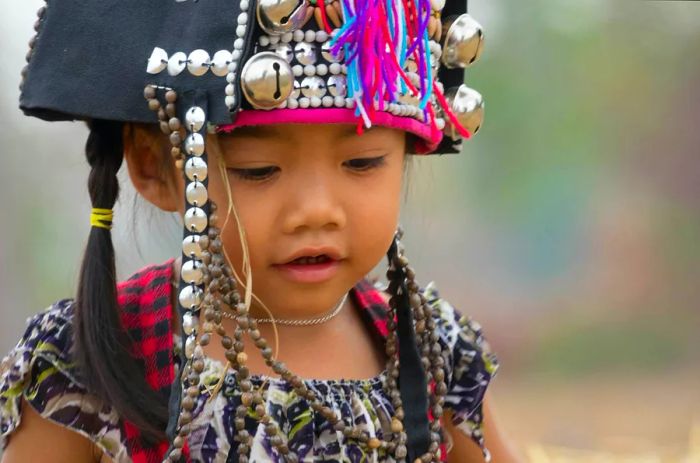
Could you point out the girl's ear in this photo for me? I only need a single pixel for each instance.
(151, 168)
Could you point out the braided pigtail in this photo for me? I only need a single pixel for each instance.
(102, 344)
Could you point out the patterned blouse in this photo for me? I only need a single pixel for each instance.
(41, 369)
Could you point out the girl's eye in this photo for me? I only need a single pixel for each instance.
(257, 173)
(362, 164)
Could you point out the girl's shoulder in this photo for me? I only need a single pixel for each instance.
(41, 369)
(470, 363)
(41, 372)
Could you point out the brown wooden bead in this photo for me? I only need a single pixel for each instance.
(164, 127)
(260, 410)
(170, 110)
(396, 425)
(174, 124)
(171, 96)
(153, 104)
(247, 399)
(241, 358)
(175, 138)
(373, 443)
(149, 93)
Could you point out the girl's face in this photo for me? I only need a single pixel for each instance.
(318, 204)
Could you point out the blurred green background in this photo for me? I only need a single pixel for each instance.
(569, 227)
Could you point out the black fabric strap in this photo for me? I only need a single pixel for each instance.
(412, 382)
(185, 101)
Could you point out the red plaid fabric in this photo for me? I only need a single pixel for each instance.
(146, 315)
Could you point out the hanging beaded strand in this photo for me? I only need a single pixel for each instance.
(168, 121)
(222, 288)
(432, 354)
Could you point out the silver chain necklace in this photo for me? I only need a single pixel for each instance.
(299, 322)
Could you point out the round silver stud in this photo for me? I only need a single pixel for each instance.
(158, 61)
(279, 16)
(463, 40)
(313, 87)
(305, 52)
(190, 344)
(284, 50)
(177, 63)
(194, 144)
(196, 169)
(220, 62)
(192, 272)
(190, 296)
(468, 105)
(190, 246)
(195, 119)
(189, 323)
(195, 220)
(297, 90)
(337, 85)
(196, 193)
(266, 80)
(198, 62)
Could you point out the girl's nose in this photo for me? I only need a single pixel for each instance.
(314, 203)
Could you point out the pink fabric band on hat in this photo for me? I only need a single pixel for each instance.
(430, 136)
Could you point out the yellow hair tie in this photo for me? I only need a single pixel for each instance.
(101, 218)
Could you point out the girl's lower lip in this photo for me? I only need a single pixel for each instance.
(309, 273)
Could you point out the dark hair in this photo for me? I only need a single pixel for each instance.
(102, 345)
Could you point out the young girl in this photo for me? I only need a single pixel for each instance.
(262, 341)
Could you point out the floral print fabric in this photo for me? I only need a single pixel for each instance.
(40, 369)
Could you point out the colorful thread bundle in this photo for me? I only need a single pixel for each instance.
(377, 38)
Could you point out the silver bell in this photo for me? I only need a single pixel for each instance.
(279, 16)
(267, 80)
(468, 105)
(462, 42)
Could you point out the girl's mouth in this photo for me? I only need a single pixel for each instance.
(309, 269)
(309, 260)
